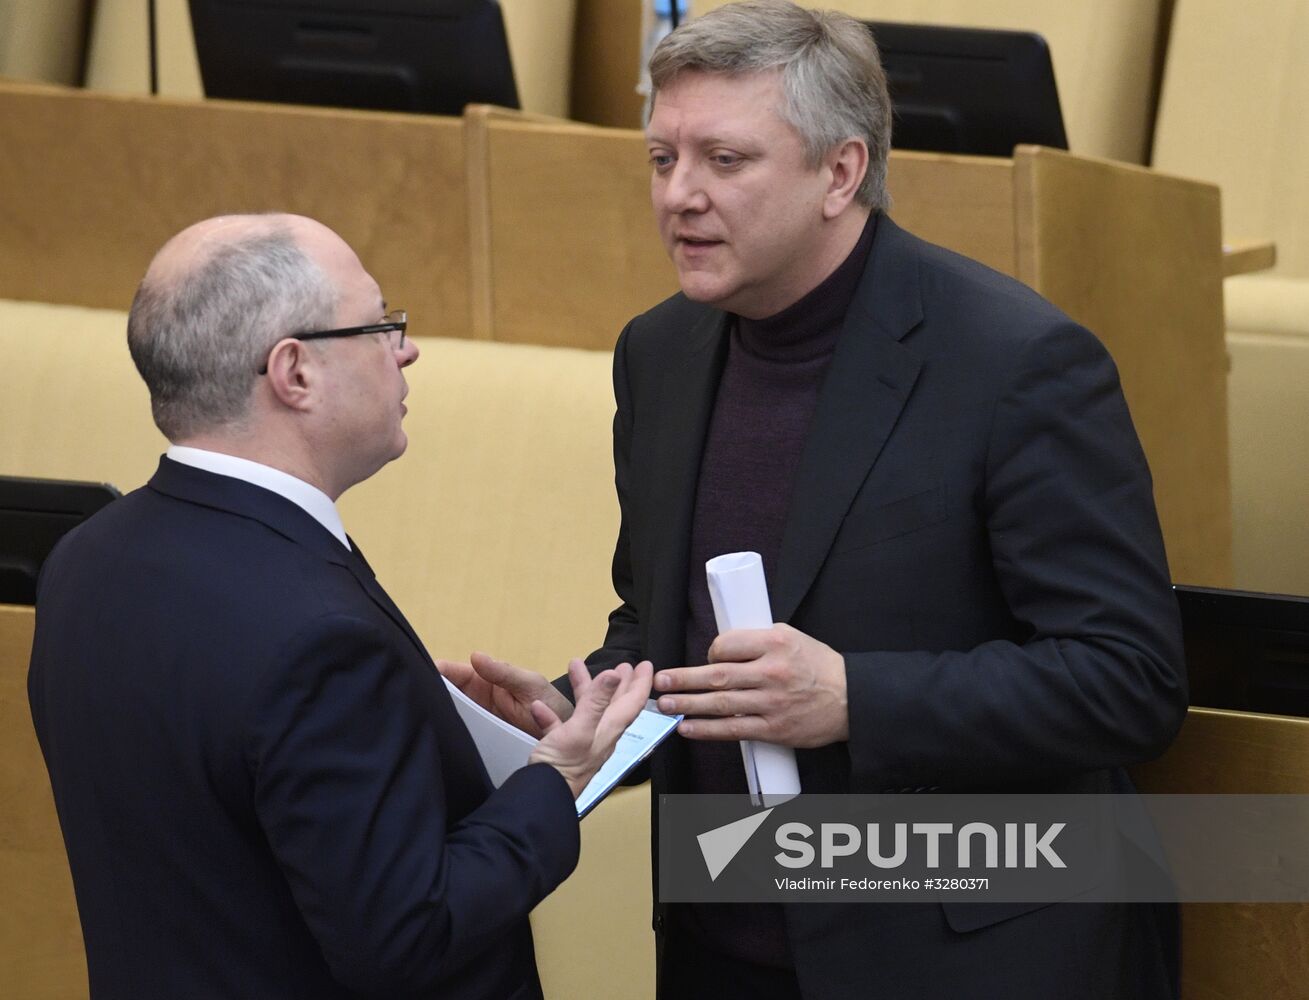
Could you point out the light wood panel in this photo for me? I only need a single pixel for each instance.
(963, 202)
(478, 119)
(1136, 256)
(1219, 752)
(41, 956)
(91, 185)
(574, 252)
(606, 60)
(1248, 257)
(1238, 951)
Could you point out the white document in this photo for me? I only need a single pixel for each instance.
(504, 748)
(740, 597)
(647, 731)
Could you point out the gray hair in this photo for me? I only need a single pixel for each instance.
(832, 76)
(199, 339)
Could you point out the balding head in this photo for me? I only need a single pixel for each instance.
(214, 301)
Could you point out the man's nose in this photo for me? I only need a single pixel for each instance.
(683, 190)
(408, 353)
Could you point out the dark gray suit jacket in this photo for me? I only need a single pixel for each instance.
(972, 525)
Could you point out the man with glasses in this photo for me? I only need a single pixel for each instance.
(393, 324)
(263, 785)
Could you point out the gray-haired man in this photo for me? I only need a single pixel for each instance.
(953, 509)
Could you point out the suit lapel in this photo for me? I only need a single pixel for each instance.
(686, 401)
(363, 573)
(867, 385)
(244, 499)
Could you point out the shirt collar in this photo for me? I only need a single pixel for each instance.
(310, 499)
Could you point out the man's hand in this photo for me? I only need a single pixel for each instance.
(606, 705)
(777, 685)
(506, 690)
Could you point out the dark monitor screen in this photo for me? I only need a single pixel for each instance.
(1246, 651)
(430, 56)
(34, 515)
(969, 90)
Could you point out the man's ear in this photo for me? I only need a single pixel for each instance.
(293, 373)
(847, 163)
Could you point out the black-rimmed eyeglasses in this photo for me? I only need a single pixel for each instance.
(393, 325)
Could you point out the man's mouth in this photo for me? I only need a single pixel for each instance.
(694, 243)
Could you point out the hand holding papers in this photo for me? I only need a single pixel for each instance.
(768, 684)
(740, 598)
(505, 690)
(612, 730)
(605, 706)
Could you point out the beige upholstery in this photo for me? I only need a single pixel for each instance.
(43, 41)
(494, 531)
(540, 44)
(118, 53)
(1235, 111)
(1268, 409)
(1103, 54)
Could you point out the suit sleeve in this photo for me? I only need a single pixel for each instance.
(1079, 561)
(349, 791)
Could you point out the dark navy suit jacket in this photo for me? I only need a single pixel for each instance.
(263, 785)
(972, 525)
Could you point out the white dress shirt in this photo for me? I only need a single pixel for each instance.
(311, 499)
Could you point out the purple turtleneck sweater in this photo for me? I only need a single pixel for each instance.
(765, 404)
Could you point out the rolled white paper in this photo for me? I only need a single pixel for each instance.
(740, 598)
